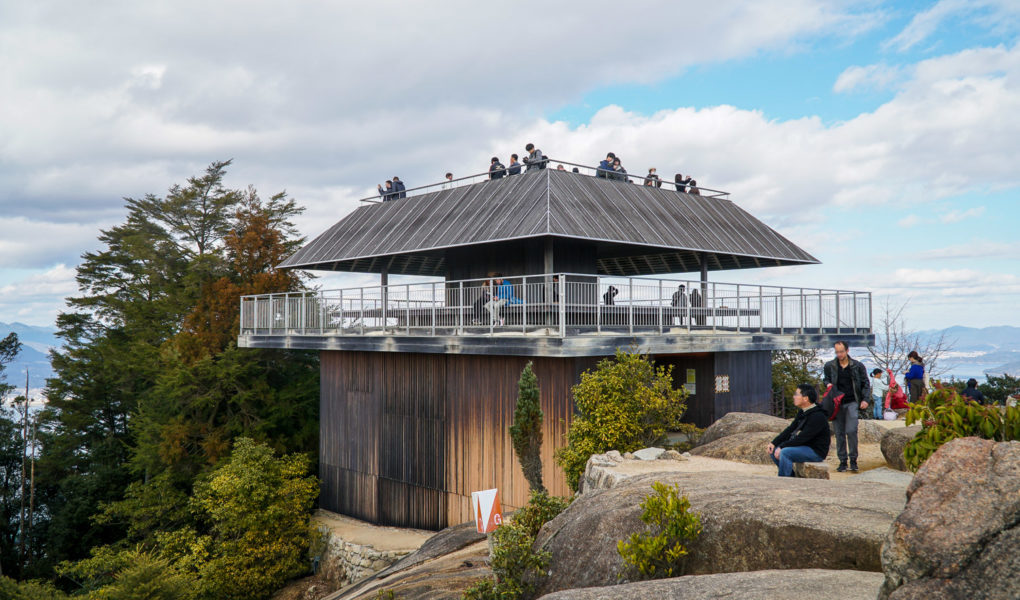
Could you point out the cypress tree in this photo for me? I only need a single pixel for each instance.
(526, 431)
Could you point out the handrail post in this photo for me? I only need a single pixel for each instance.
(362, 311)
(820, 320)
(761, 312)
(407, 299)
(659, 302)
(598, 307)
(630, 305)
(524, 306)
(782, 307)
(737, 308)
(837, 313)
(286, 313)
(563, 305)
(322, 312)
(803, 316)
(384, 293)
(433, 309)
(703, 300)
(302, 313)
(341, 326)
(855, 312)
(460, 307)
(255, 329)
(871, 323)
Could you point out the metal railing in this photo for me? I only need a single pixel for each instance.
(551, 163)
(557, 305)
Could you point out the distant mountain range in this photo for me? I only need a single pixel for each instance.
(984, 351)
(36, 344)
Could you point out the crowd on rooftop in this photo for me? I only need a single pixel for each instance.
(610, 168)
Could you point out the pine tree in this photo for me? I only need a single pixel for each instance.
(526, 431)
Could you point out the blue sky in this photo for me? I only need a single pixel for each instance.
(880, 136)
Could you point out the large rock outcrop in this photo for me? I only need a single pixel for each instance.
(893, 443)
(959, 536)
(868, 432)
(445, 565)
(740, 422)
(745, 447)
(792, 584)
(749, 524)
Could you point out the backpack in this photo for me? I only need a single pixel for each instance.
(832, 400)
(895, 398)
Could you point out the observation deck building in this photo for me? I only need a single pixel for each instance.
(419, 380)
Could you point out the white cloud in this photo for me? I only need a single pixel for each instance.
(955, 216)
(38, 298)
(879, 77)
(974, 249)
(909, 221)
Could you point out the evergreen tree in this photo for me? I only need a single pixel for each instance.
(526, 431)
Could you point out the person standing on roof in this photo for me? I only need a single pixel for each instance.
(693, 187)
(620, 174)
(448, 182)
(851, 379)
(652, 179)
(535, 158)
(496, 169)
(605, 167)
(681, 183)
(387, 192)
(515, 167)
(398, 187)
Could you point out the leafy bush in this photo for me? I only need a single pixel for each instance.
(516, 565)
(248, 533)
(625, 404)
(28, 590)
(945, 415)
(661, 551)
(526, 431)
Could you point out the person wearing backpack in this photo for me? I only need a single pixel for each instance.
(496, 169)
(851, 378)
(807, 438)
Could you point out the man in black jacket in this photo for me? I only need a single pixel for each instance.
(807, 438)
(851, 378)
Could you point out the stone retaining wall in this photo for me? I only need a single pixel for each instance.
(344, 562)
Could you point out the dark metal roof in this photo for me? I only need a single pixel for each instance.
(638, 230)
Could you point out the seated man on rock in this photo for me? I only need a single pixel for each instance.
(807, 438)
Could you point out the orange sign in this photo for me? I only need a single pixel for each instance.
(487, 510)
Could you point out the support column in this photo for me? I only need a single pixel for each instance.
(550, 292)
(384, 281)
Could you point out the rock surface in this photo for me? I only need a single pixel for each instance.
(794, 584)
(749, 524)
(649, 453)
(869, 431)
(893, 443)
(811, 470)
(741, 422)
(746, 447)
(884, 475)
(445, 565)
(959, 536)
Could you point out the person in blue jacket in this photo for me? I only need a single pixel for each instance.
(505, 294)
(914, 377)
(606, 166)
(807, 438)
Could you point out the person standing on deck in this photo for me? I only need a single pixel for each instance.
(387, 192)
(398, 187)
(851, 378)
(606, 167)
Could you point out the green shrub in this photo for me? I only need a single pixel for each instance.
(526, 431)
(28, 590)
(625, 404)
(945, 415)
(661, 550)
(516, 566)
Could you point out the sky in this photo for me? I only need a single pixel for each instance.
(881, 137)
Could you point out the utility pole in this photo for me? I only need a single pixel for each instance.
(31, 494)
(24, 451)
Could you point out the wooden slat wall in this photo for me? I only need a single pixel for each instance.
(750, 382)
(405, 438)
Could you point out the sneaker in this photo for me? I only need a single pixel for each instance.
(841, 468)
(853, 467)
